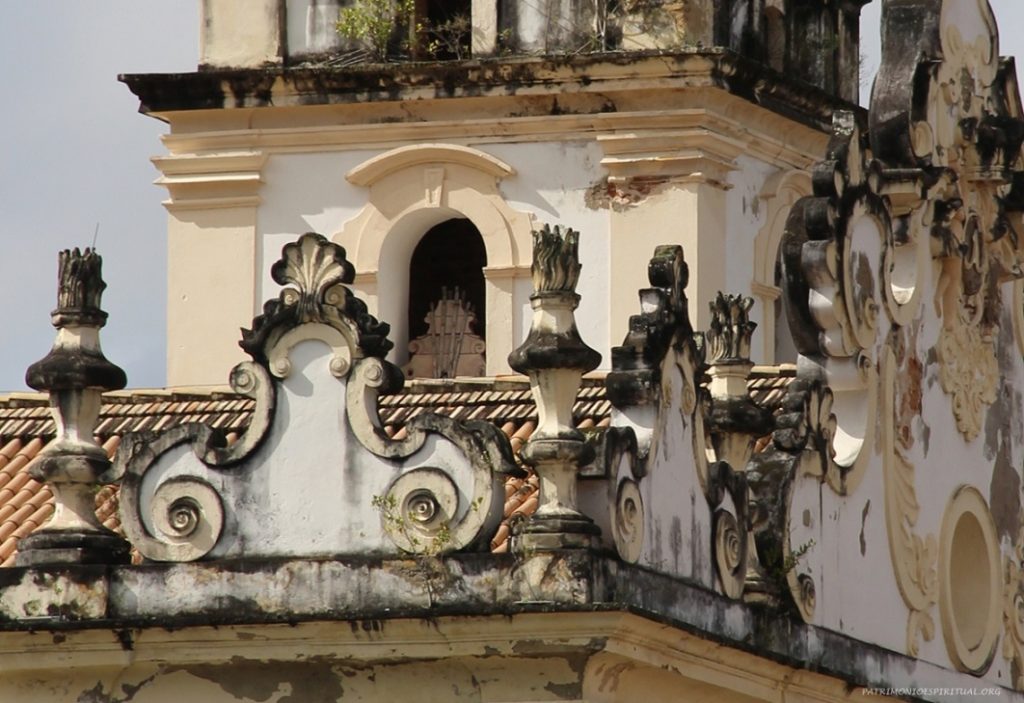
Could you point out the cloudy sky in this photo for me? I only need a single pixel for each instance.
(74, 154)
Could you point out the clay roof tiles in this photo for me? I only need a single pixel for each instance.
(26, 426)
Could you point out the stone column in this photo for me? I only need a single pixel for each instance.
(75, 373)
(555, 358)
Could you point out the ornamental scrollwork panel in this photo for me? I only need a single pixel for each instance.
(314, 474)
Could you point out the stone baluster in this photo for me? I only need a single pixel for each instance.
(75, 373)
(735, 421)
(555, 359)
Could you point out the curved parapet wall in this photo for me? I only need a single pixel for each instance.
(314, 474)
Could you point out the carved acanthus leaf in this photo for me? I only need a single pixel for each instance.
(728, 337)
(914, 558)
(1013, 611)
(556, 262)
(946, 104)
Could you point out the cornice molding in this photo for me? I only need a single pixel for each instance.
(717, 123)
(211, 181)
(598, 75)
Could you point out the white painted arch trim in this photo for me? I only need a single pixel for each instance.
(369, 172)
(780, 193)
(413, 188)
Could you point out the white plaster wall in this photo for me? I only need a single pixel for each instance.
(746, 214)
(310, 444)
(304, 192)
(308, 192)
(311, 26)
(551, 181)
(856, 588)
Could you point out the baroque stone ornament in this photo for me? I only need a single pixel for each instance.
(75, 373)
(314, 474)
(835, 255)
(733, 422)
(661, 411)
(946, 104)
(1013, 610)
(555, 359)
(914, 557)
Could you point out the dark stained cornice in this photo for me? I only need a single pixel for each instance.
(614, 73)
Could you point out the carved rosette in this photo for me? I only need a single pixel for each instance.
(187, 494)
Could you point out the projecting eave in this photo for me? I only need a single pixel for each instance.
(601, 605)
(581, 84)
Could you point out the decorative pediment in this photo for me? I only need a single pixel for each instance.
(314, 474)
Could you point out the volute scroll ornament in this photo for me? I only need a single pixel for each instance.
(654, 385)
(837, 257)
(315, 447)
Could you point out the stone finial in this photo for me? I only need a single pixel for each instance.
(733, 420)
(728, 338)
(75, 373)
(556, 263)
(727, 345)
(555, 358)
(79, 288)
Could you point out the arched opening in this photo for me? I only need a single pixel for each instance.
(447, 302)
(445, 28)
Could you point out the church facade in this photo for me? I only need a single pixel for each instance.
(672, 204)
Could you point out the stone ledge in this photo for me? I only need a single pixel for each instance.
(370, 592)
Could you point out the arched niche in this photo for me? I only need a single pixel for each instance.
(447, 307)
(415, 188)
(780, 193)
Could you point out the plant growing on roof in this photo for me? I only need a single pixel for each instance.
(373, 22)
(448, 39)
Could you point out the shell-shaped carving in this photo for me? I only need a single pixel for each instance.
(311, 270)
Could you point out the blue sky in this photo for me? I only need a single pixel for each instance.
(74, 153)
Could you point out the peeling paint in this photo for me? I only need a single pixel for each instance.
(310, 681)
(620, 197)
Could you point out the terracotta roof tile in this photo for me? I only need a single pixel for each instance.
(25, 427)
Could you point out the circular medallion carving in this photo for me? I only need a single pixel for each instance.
(970, 582)
(730, 553)
(187, 518)
(628, 524)
(418, 511)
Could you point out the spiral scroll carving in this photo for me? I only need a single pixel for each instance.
(421, 513)
(628, 527)
(186, 518)
(730, 553)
